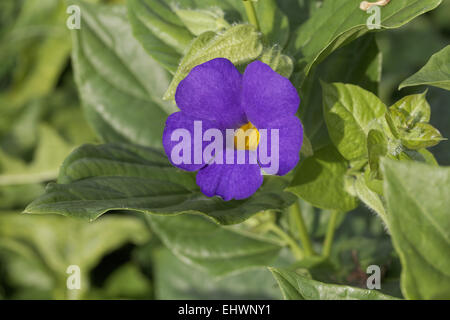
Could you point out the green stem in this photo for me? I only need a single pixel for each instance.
(251, 13)
(330, 234)
(296, 215)
(296, 250)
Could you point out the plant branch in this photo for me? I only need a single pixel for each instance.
(330, 234)
(251, 13)
(296, 215)
(296, 250)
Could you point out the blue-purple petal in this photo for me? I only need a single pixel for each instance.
(216, 94)
(290, 139)
(230, 181)
(266, 95)
(212, 91)
(179, 120)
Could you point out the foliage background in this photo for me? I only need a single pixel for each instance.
(41, 122)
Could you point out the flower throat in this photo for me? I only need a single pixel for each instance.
(246, 137)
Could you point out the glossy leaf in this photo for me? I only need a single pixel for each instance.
(420, 155)
(410, 110)
(325, 170)
(418, 206)
(436, 72)
(408, 120)
(337, 23)
(358, 63)
(297, 287)
(96, 179)
(120, 86)
(350, 113)
(423, 135)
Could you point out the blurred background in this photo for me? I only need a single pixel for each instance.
(41, 121)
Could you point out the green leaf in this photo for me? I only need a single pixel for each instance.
(358, 186)
(40, 41)
(298, 287)
(418, 206)
(50, 152)
(422, 135)
(199, 21)
(126, 282)
(97, 179)
(177, 280)
(239, 44)
(154, 25)
(358, 63)
(18, 196)
(160, 31)
(274, 24)
(89, 242)
(393, 125)
(21, 133)
(298, 11)
(213, 248)
(377, 147)
(120, 85)
(307, 148)
(56, 243)
(410, 110)
(337, 23)
(421, 155)
(428, 157)
(278, 62)
(436, 72)
(234, 10)
(440, 16)
(325, 170)
(350, 113)
(408, 119)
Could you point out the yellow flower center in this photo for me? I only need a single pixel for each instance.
(246, 137)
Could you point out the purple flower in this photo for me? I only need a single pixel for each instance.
(216, 95)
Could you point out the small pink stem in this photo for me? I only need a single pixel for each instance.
(365, 5)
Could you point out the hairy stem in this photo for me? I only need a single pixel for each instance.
(251, 13)
(297, 217)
